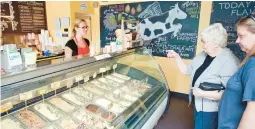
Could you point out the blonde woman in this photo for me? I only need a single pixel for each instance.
(237, 107)
(216, 64)
(78, 46)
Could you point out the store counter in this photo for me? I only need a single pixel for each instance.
(104, 91)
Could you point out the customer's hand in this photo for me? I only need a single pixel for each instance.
(198, 92)
(172, 54)
(201, 93)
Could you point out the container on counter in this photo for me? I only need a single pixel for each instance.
(97, 110)
(67, 122)
(124, 77)
(116, 79)
(109, 82)
(48, 111)
(94, 89)
(88, 119)
(73, 98)
(139, 86)
(30, 119)
(132, 90)
(61, 104)
(118, 99)
(126, 95)
(51, 126)
(87, 95)
(9, 122)
(101, 85)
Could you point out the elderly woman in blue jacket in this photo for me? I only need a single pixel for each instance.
(215, 64)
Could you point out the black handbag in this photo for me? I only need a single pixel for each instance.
(207, 86)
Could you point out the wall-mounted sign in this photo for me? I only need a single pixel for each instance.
(95, 4)
(84, 6)
(65, 22)
(23, 17)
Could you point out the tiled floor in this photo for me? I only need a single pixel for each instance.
(179, 116)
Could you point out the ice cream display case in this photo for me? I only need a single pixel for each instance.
(107, 91)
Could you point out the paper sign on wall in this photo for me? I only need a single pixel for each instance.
(65, 21)
(57, 24)
(84, 6)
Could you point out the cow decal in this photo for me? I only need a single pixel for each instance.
(155, 26)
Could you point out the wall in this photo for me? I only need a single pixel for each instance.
(68, 9)
(53, 11)
(176, 80)
(94, 13)
(75, 7)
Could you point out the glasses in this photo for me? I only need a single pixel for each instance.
(249, 16)
(84, 27)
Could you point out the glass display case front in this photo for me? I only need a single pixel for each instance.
(117, 90)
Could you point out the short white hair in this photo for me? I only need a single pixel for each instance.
(216, 34)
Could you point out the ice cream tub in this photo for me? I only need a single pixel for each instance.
(87, 95)
(51, 126)
(111, 118)
(67, 122)
(110, 82)
(73, 98)
(109, 106)
(116, 79)
(131, 90)
(139, 86)
(99, 111)
(48, 111)
(88, 119)
(10, 122)
(30, 119)
(124, 77)
(125, 96)
(119, 99)
(101, 85)
(63, 105)
(94, 89)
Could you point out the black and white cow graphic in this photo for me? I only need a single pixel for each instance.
(156, 26)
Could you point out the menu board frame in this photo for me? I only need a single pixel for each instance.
(14, 16)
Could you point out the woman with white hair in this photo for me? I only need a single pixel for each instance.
(215, 64)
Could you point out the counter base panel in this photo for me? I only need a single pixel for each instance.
(153, 120)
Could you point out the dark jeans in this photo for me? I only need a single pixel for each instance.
(205, 120)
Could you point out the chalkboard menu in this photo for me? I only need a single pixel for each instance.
(163, 25)
(20, 17)
(227, 13)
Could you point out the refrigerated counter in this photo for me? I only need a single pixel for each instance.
(116, 90)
